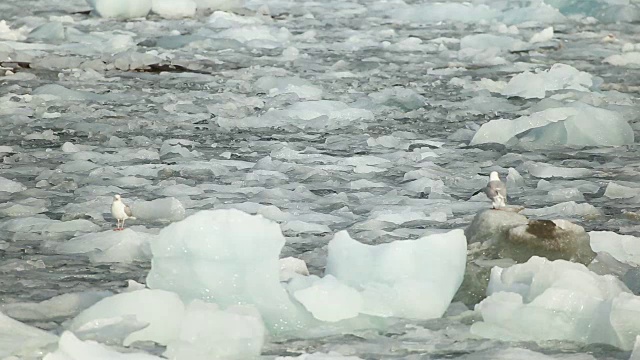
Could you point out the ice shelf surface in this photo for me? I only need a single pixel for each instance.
(379, 118)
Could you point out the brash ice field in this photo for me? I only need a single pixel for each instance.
(311, 179)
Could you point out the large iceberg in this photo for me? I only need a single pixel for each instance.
(557, 300)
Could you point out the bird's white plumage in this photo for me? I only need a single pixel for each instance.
(120, 211)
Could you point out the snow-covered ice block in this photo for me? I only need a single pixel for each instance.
(110, 246)
(170, 209)
(207, 332)
(625, 248)
(576, 124)
(174, 8)
(223, 19)
(17, 338)
(228, 257)
(557, 300)
(161, 310)
(10, 186)
(219, 4)
(72, 348)
(121, 8)
(486, 41)
(61, 306)
(412, 279)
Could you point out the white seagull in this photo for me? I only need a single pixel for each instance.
(120, 211)
(496, 190)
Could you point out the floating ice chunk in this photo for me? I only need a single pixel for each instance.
(219, 4)
(170, 209)
(568, 209)
(132, 60)
(290, 266)
(406, 99)
(72, 348)
(179, 190)
(282, 85)
(121, 8)
(322, 114)
(625, 248)
(69, 148)
(616, 191)
(174, 8)
(7, 34)
(542, 36)
(17, 338)
(561, 195)
(162, 310)
(437, 12)
(546, 171)
(514, 179)
(321, 356)
(208, 332)
(412, 279)
(10, 186)
(630, 59)
(557, 300)
(365, 184)
(330, 300)
(635, 355)
(110, 246)
(51, 31)
(560, 76)
(485, 41)
(222, 19)
(297, 226)
(228, 257)
(46, 225)
(55, 91)
(58, 307)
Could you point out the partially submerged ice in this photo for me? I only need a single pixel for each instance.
(230, 257)
(576, 124)
(72, 348)
(227, 257)
(110, 246)
(557, 300)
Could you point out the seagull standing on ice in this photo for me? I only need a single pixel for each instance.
(496, 190)
(120, 211)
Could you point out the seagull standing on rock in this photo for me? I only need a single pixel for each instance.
(496, 190)
(120, 211)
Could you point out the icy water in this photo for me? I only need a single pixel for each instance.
(383, 165)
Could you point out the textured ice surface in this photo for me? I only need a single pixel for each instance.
(170, 209)
(543, 300)
(141, 100)
(229, 257)
(17, 338)
(411, 279)
(174, 8)
(625, 248)
(207, 332)
(161, 310)
(110, 246)
(57, 307)
(72, 348)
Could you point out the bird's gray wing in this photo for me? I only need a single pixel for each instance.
(127, 210)
(495, 188)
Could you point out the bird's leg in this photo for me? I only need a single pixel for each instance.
(122, 228)
(117, 226)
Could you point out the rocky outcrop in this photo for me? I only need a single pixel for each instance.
(506, 234)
